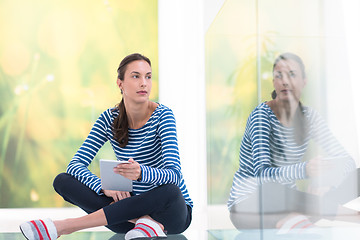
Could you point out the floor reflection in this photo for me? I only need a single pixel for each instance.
(347, 233)
(85, 236)
(170, 237)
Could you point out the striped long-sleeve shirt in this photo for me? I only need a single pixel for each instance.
(270, 153)
(154, 146)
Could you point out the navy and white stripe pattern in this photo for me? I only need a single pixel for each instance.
(269, 152)
(154, 146)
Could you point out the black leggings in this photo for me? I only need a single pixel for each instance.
(164, 204)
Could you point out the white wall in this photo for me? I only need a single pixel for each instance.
(182, 86)
(342, 29)
(351, 10)
(182, 28)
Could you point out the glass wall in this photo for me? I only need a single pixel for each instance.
(241, 47)
(58, 62)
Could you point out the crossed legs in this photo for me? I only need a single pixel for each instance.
(164, 204)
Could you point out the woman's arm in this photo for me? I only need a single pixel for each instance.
(170, 171)
(78, 166)
(324, 137)
(336, 162)
(255, 161)
(259, 133)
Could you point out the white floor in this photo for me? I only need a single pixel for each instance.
(215, 217)
(212, 218)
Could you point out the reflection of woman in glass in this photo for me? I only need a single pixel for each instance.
(276, 138)
(143, 133)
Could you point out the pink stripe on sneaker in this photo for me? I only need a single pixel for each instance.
(298, 223)
(141, 229)
(47, 232)
(145, 230)
(308, 225)
(37, 229)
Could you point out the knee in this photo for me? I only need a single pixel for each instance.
(59, 182)
(172, 191)
(245, 220)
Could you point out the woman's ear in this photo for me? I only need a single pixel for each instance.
(119, 82)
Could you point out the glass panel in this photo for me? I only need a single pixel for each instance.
(231, 91)
(293, 157)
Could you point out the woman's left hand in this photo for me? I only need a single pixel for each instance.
(129, 170)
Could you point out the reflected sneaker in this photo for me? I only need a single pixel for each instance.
(296, 224)
(39, 230)
(145, 229)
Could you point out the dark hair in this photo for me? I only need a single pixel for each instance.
(300, 122)
(289, 56)
(121, 124)
(301, 126)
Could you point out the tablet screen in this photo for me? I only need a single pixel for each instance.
(111, 180)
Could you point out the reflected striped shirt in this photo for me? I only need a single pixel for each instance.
(270, 153)
(154, 146)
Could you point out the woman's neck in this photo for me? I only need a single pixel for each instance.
(284, 110)
(138, 114)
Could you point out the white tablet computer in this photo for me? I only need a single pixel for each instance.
(111, 180)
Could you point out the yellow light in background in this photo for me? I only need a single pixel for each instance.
(20, 89)
(63, 33)
(34, 196)
(15, 58)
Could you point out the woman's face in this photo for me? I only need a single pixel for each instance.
(288, 80)
(137, 83)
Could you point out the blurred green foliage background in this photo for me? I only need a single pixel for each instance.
(58, 62)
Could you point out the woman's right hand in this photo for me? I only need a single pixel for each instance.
(324, 173)
(318, 167)
(116, 195)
